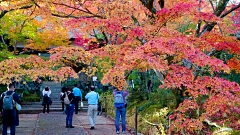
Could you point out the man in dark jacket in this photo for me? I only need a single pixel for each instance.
(9, 116)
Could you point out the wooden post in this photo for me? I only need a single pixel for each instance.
(105, 102)
(136, 120)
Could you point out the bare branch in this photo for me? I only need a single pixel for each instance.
(229, 11)
(72, 16)
(209, 26)
(212, 6)
(35, 3)
(22, 26)
(6, 11)
(75, 9)
(198, 28)
(3, 40)
(161, 3)
(221, 7)
(148, 4)
(62, 4)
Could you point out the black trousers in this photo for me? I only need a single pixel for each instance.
(63, 106)
(44, 108)
(77, 99)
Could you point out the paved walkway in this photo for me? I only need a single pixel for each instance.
(54, 124)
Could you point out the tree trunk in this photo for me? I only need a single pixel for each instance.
(15, 47)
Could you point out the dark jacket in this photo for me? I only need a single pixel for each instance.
(15, 98)
(47, 101)
(70, 97)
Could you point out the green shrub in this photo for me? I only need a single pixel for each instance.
(154, 110)
(108, 97)
(164, 98)
(31, 98)
(99, 91)
(19, 91)
(71, 83)
(137, 96)
(3, 88)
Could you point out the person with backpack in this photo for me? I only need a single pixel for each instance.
(8, 109)
(46, 99)
(92, 98)
(120, 108)
(69, 101)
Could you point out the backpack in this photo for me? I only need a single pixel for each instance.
(66, 99)
(45, 98)
(8, 101)
(118, 100)
(61, 95)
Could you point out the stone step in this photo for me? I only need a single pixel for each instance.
(53, 102)
(52, 86)
(52, 106)
(51, 82)
(39, 110)
(40, 104)
(36, 107)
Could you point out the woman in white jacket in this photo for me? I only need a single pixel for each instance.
(46, 99)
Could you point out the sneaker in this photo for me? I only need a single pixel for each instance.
(92, 128)
(67, 126)
(123, 132)
(8, 131)
(71, 126)
(117, 132)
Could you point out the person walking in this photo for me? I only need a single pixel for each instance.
(64, 89)
(8, 111)
(120, 108)
(69, 107)
(92, 98)
(78, 95)
(46, 99)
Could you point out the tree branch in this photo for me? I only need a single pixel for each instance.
(148, 4)
(159, 75)
(72, 16)
(229, 11)
(212, 6)
(6, 11)
(221, 7)
(75, 8)
(24, 22)
(161, 3)
(35, 3)
(72, 7)
(3, 40)
(198, 28)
